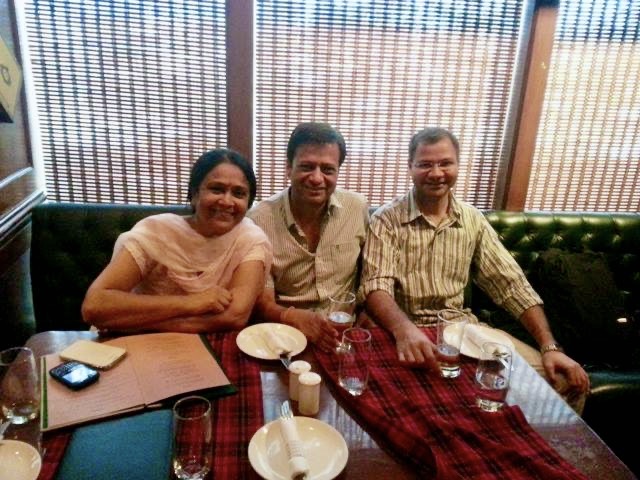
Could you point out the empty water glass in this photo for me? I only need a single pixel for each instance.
(353, 367)
(192, 438)
(493, 376)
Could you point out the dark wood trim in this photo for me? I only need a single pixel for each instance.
(240, 76)
(18, 192)
(518, 169)
(15, 243)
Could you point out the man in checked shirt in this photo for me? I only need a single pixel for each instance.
(417, 260)
(317, 232)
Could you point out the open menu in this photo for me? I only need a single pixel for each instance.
(157, 367)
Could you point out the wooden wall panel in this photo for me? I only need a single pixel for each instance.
(17, 177)
(18, 192)
(15, 151)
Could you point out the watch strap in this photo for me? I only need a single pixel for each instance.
(551, 347)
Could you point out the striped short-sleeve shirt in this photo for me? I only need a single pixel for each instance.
(425, 267)
(305, 279)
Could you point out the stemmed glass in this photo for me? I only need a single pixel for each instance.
(19, 385)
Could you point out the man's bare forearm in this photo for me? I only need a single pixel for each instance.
(535, 321)
(385, 310)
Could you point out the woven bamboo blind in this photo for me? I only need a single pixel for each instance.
(587, 155)
(129, 93)
(380, 70)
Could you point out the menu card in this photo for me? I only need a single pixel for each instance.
(157, 368)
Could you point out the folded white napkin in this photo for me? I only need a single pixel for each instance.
(298, 463)
(275, 342)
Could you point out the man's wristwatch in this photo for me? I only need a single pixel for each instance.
(551, 347)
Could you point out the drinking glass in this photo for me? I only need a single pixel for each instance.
(451, 323)
(19, 385)
(192, 438)
(353, 367)
(342, 311)
(492, 376)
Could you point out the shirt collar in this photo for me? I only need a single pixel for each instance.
(334, 203)
(414, 212)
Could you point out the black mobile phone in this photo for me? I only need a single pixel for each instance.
(74, 375)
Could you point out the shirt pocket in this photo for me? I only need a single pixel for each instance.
(344, 260)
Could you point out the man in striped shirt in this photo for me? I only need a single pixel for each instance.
(317, 232)
(418, 256)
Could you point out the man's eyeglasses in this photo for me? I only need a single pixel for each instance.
(429, 166)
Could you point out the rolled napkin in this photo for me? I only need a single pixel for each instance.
(275, 343)
(298, 464)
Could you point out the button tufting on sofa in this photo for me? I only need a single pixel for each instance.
(71, 244)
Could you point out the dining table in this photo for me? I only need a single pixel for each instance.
(546, 417)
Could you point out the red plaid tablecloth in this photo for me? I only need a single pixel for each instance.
(433, 424)
(235, 418)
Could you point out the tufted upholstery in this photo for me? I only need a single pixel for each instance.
(615, 395)
(70, 245)
(526, 235)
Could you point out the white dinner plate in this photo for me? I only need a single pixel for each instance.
(475, 335)
(324, 447)
(252, 341)
(18, 461)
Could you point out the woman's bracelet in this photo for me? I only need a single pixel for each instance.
(283, 315)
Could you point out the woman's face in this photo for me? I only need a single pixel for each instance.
(221, 200)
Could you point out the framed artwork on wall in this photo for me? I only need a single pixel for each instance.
(10, 82)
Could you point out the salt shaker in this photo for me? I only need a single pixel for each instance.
(295, 370)
(309, 393)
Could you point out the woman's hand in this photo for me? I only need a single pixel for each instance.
(212, 300)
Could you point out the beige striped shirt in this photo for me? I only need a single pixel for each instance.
(305, 279)
(426, 268)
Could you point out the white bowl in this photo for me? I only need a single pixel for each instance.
(19, 461)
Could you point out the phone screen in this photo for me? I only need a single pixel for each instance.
(78, 375)
(74, 375)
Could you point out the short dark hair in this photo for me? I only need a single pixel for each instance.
(210, 160)
(315, 133)
(429, 136)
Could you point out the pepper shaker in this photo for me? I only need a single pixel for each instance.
(309, 393)
(295, 370)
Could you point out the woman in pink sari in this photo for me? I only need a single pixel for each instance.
(197, 273)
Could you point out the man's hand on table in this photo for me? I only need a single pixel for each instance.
(413, 346)
(555, 363)
(316, 328)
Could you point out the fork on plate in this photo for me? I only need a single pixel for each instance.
(285, 358)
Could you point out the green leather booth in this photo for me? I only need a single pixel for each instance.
(612, 405)
(71, 244)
